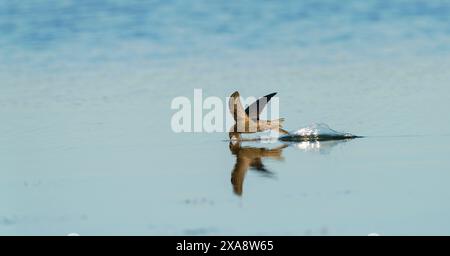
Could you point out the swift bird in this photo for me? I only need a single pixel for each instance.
(247, 121)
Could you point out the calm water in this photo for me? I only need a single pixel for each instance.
(85, 138)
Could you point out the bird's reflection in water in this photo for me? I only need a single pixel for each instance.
(251, 157)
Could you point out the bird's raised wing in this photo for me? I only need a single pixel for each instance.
(257, 107)
(236, 108)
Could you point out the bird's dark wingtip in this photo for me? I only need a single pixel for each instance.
(270, 95)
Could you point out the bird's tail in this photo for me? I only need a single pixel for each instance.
(282, 131)
(277, 124)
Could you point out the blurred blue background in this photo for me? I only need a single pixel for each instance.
(99, 31)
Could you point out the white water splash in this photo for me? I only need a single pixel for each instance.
(316, 131)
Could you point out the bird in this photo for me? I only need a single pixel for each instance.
(248, 121)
